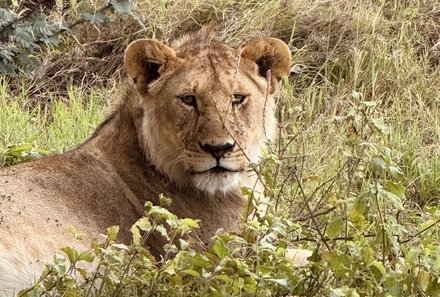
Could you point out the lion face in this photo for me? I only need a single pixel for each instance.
(208, 108)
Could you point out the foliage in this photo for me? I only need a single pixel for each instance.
(371, 243)
(15, 154)
(29, 130)
(252, 264)
(26, 30)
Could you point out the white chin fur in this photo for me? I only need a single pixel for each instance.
(214, 182)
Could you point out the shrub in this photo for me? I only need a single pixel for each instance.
(252, 263)
(26, 30)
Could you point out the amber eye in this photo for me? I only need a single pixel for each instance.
(189, 100)
(238, 99)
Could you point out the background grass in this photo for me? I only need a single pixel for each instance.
(360, 122)
(30, 128)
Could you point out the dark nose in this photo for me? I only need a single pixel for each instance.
(217, 150)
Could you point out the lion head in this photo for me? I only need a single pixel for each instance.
(208, 108)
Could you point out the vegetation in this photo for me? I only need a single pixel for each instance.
(355, 175)
(30, 129)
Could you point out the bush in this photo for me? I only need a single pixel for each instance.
(26, 31)
(252, 263)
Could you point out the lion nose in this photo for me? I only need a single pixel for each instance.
(217, 150)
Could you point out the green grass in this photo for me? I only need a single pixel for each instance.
(53, 126)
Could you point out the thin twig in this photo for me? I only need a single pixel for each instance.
(82, 20)
(310, 210)
(382, 222)
(325, 239)
(411, 237)
(313, 215)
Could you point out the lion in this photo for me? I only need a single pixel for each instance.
(195, 114)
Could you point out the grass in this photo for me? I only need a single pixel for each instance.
(53, 126)
(357, 166)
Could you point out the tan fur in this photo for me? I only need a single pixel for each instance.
(153, 143)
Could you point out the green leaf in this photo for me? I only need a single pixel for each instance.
(71, 253)
(343, 292)
(59, 265)
(395, 171)
(220, 248)
(339, 263)
(200, 260)
(246, 191)
(112, 232)
(223, 277)
(380, 126)
(83, 272)
(378, 164)
(87, 256)
(122, 6)
(6, 16)
(191, 272)
(378, 270)
(280, 281)
(334, 228)
(423, 278)
(161, 212)
(251, 286)
(162, 231)
(396, 189)
(191, 223)
(121, 246)
(113, 278)
(25, 38)
(136, 234)
(144, 224)
(75, 232)
(169, 267)
(411, 255)
(395, 200)
(164, 201)
(52, 40)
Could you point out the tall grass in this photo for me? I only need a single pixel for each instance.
(29, 128)
(385, 65)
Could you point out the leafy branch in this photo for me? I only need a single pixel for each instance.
(24, 33)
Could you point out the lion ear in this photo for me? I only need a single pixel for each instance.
(145, 59)
(269, 54)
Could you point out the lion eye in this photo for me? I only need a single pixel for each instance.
(189, 100)
(238, 99)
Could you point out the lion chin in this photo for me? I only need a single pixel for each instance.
(216, 181)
